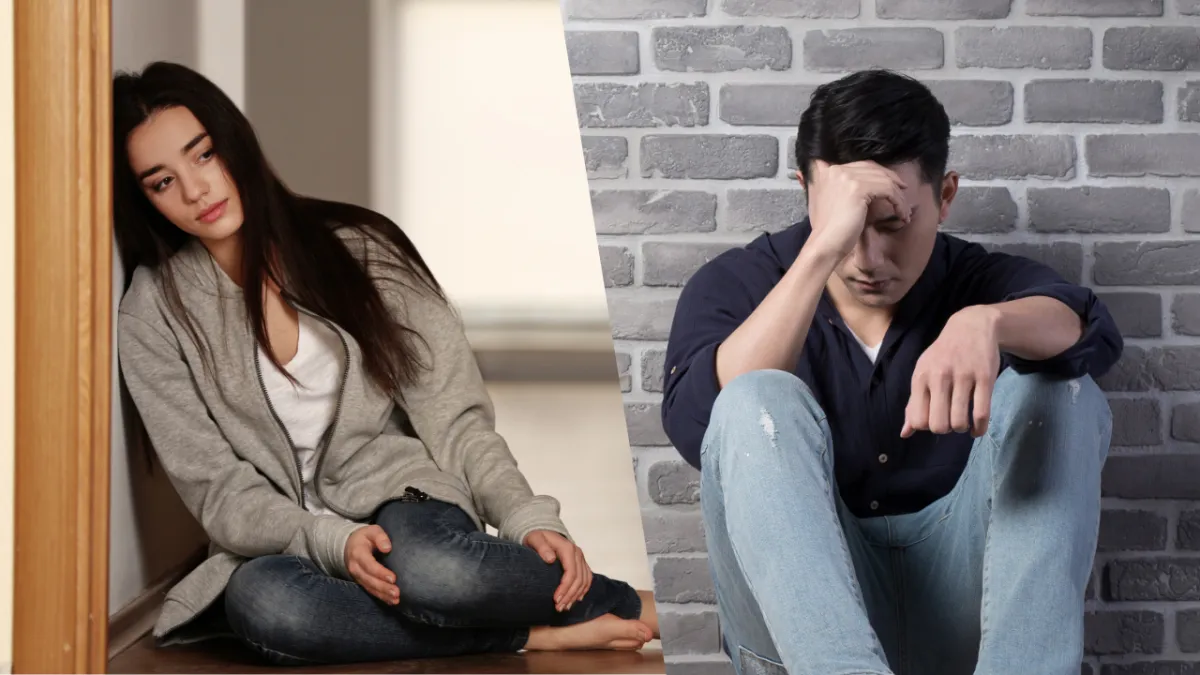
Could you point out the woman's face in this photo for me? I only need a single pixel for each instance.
(172, 157)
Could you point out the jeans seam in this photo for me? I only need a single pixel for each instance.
(276, 654)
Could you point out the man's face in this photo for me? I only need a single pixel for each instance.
(891, 254)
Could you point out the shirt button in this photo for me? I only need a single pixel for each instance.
(883, 459)
(874, 506)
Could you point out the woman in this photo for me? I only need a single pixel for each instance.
(313, 399)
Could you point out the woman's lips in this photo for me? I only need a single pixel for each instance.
(212, 213)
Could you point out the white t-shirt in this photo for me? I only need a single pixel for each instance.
(307, 410)
(872, 352)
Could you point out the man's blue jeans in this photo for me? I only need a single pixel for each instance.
(990, 579)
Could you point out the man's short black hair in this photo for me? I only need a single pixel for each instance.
(876, 115)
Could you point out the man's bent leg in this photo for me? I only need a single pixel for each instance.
(1002, 576)
(787, 589)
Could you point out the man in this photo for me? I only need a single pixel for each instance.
(899, 436)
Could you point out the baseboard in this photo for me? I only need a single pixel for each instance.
(133, 621)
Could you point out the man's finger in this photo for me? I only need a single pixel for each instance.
(983, 407)
(917, 413)
(960, 404)
(940, 390)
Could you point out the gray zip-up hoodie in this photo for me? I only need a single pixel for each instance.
(232, 463)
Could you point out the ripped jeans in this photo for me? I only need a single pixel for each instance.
(989, 580)
(462, 591)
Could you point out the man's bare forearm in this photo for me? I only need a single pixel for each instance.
(1035, 328)
(772, 337)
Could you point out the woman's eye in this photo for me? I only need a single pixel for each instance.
(161, 185)
(206, 155)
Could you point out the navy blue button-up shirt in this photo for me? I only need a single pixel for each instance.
(864, 401)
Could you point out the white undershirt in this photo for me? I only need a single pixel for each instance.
(872, 352)
(307, 411)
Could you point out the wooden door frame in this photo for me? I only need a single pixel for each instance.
(63, 78)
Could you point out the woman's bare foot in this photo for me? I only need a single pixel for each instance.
(649, 612)
(604, 632)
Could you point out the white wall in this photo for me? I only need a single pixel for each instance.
(7, 328)
(485, 151)
(144, 507)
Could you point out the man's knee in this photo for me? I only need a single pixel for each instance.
(751, 394)
(1040, 399)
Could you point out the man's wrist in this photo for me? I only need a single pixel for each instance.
(988, 321)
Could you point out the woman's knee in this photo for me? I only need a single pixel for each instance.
(263, 606)
(435, 563)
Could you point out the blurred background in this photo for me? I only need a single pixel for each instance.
(454, 118)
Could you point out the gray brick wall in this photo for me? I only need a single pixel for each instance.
(1077, 131)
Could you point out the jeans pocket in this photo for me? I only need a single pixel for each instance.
(753, 664)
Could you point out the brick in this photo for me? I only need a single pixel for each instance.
(1185, 314)
(980, 210)
(1090, 209)
(1154, 579)
(639, 318)
(1152, 668)
(1176, 368)
(768, 105)
(635, 9)
(1191, 211)
(673, 263)
(1136, 421)
(719, 49)
(942, 9)
(975, 103)
(673, 530)
(624, 361)
(1039, 47)
(860, 48)
(1146, 263)
(602, 52)
(609, 105)
(1146, 476)
(1063, 257)
(1137, 314)
(1187, 630)
(793, 9)
(1152, 48)
(710, 156)
(1189, 102)
(1128, 530)
(1102, 101)
(653, 361)
(1138, 155)
(1124, 632)
(763, 210)
(791, 153)
(1132, 371)
(1086, 669)
(1187, 536)
(689, 633)
(1018, 156)
(1185, 422)
(674, 482)
(604, 156)
(1090, 592)
(1189, 7)
(644, 422)
(653, 211)
(683, 580)
(715, 666)
(617, 264)
(1094, 7)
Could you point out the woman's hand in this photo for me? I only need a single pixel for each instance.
(577, 576)
(365, 569)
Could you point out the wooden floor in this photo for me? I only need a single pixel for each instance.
(228, 657)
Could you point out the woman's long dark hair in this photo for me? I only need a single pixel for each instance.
(285, 238)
